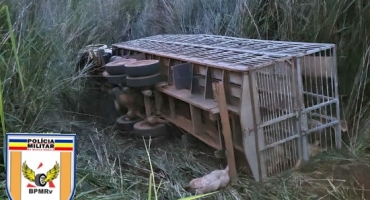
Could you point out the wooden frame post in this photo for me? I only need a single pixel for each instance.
(226, 130)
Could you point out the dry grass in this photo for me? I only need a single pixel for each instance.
(48, 35)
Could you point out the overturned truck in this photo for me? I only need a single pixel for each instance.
(282, 97)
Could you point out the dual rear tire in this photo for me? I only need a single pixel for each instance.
(156, 134)
(142, 73)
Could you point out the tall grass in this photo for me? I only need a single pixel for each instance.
(2, 115)
(152, 184)
(39, 41)
(12, 40)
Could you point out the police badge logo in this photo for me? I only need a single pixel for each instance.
(40, 166)
(40, 179)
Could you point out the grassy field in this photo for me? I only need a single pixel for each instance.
(40, 91)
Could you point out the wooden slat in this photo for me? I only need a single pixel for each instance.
(186, 124)
(226, 130)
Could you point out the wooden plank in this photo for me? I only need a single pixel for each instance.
(193, 99)
(186, 124)
(235, 77)
(226, 130)
(196, 120)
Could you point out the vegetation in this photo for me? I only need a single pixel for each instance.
(40, 91)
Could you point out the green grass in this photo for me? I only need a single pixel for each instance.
(40, 90)
(4, 9)
(152, 185)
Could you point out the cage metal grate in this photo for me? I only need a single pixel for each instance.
(258, 46)
(223, 52)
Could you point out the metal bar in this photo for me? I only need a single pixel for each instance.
(303, 133)
(278, 119)
(323, 116)
(338, 133)
(307, 110)
(302, 115)
(321, 127)
(279, 142)
(318, 95)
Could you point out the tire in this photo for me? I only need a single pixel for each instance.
(114, 58)
(106, 57)
(117, 79)
(142, 68)
(117, 67)
(39, 180)
(145, 81)
(125, 125)
(142, 129)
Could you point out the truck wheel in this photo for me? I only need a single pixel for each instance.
(117, 79)
(142, 68)
(144, 81)
(117, 67)
(143, 129)
(39, 180)
(125, 125)
(114, 58)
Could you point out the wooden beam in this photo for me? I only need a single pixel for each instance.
(226, 130)
(148, 106)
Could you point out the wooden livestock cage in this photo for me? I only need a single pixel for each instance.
(282, 96)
